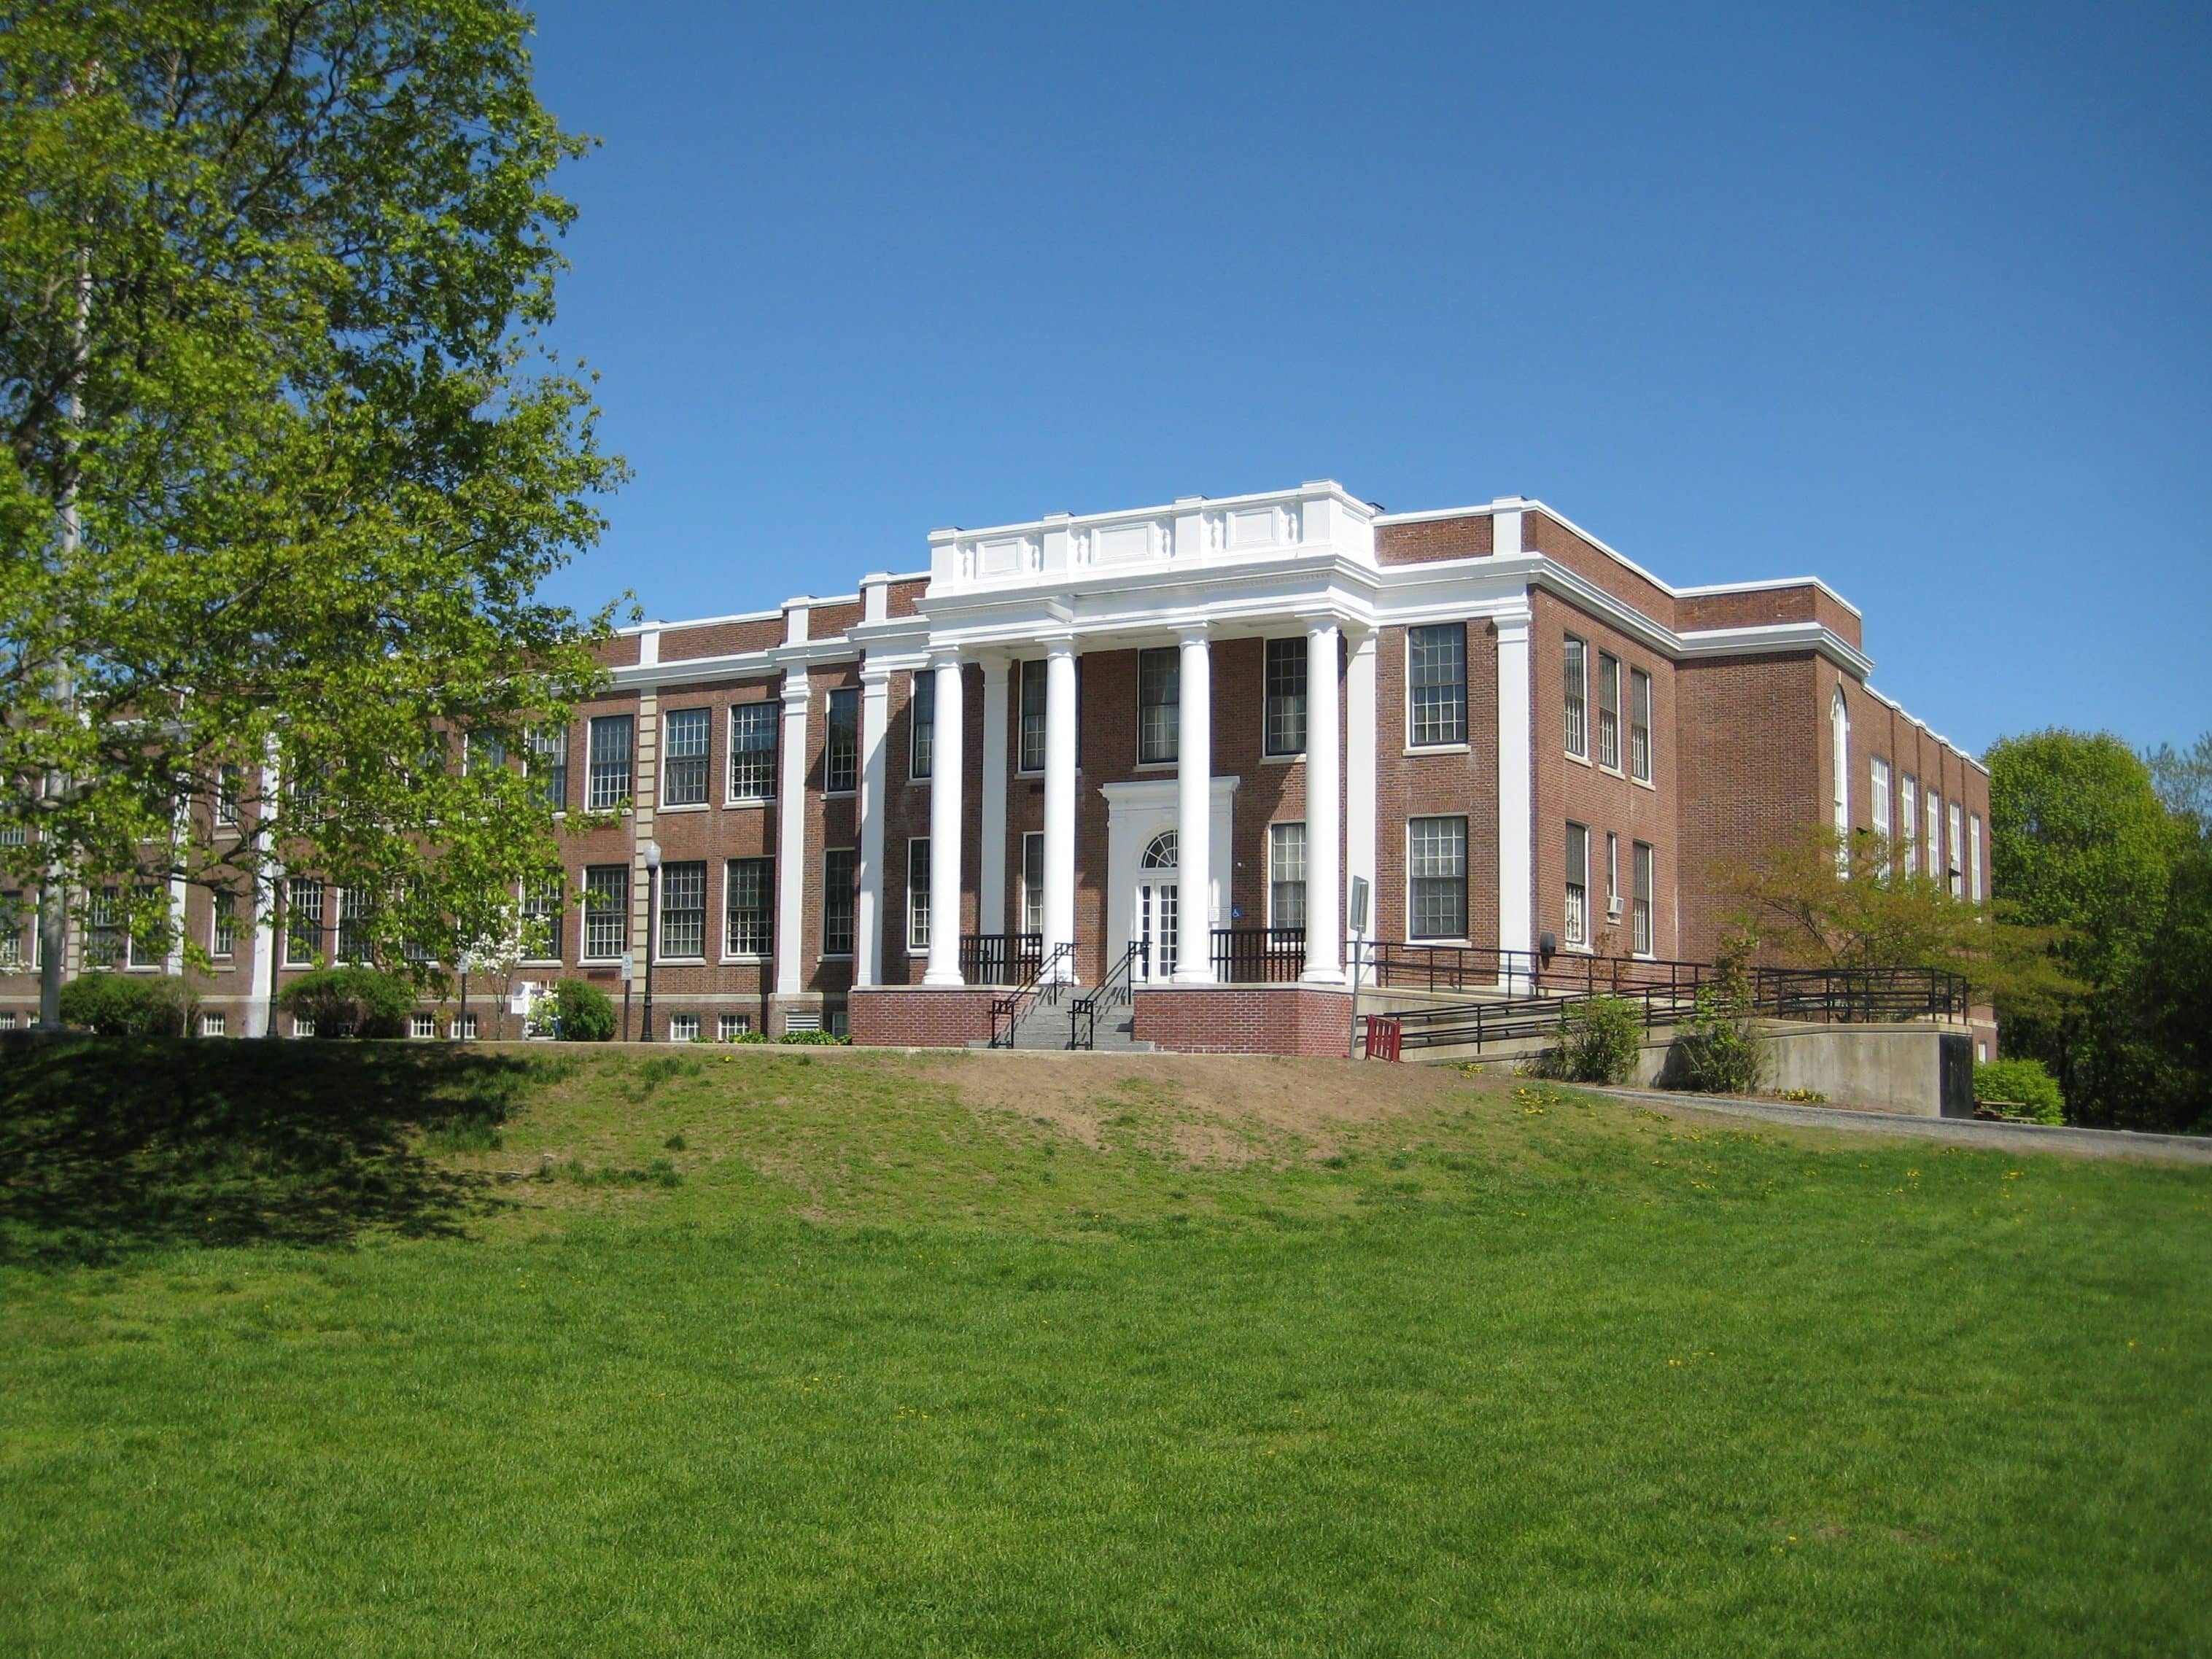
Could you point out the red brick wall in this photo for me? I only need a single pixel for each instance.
(1436, 782)
(720, 638)
(1429, 539)
(1245, 1019)
(907, 1017)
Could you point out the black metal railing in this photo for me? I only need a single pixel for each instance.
(1116, 990)
(1258, 956)
(1000, 958)
(1046, 982)
(1859, 996)
(1483, 966)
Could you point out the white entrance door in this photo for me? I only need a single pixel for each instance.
(1153, 925)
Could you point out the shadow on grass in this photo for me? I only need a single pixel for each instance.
(111, 1146)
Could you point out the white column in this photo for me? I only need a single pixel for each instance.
(1516, 895)
(1359, 825)
(868, 904)
(1060, 796)
(944, 769)
(1324, 896)
(267, 873)
(991, 892)
(791, 835)
(1194, 815)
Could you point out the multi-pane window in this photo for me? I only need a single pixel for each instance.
(1159, 704)
(749, 907)
(1839, 740)
(841, 762)
(1032, 755)
(1957, 875)
(1878, 800)
(542, 909)
(1286, 875)
(611, 771)
(141, 948)
(225, 795)
(606, 910)
(1974, 858)
(922, 725)
(1611, 877)
(1639, 725)
(17, 919)
(103, 929)
(1286, 714)
(753, 750)
(730, 1027)
(917, 894)
(684, 910)
(1576, 692)
(549, 765)
(1643, 898)
(1033, 882)
(685, 740)
(484, 754)
(1908, 806)
(1577, 927)
(838, 890)
(1933, 850)
(1435, 865)
(215, 1026)
(683, 1028)
(1608, 711)
(303, 921)
(306, 789)
(353, 925)
(1435, 685)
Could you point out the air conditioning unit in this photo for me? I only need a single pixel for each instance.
(1613, 910)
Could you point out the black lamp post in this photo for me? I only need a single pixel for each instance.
(652, 928)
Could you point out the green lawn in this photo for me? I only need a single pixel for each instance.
(310, 1350)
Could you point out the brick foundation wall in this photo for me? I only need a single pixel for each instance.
(909, 1017)
(1245, 1019)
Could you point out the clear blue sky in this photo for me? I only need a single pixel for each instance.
(1915, 303)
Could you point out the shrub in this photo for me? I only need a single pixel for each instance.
(1804, 1097)
(360, 1002)
(583, 1012)
(2021, 1084)
(1716, 1047)
(1599, 1038)
(814, 1038)
(129, 1005)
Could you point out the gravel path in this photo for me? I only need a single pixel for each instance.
(1964, 1132)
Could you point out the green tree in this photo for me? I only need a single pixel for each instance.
(2183, 778)
(283, 459)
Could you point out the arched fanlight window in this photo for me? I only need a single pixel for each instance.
(1839, 721)
(1161, 854)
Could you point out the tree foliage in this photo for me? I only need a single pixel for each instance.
(271, 277)
(129, 1004)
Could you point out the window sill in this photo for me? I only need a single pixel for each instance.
(751, 800)
(839, 794)
(685, 806)
(1438, 749)
(835, 956)
(1579, 760)
(1158, 766)
(1283, 760)
(680, 961)
(742, 961)
(1461, 943)
(1644, 783)
(1612, 771)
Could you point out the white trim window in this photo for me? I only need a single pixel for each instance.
(548, 762)
(840, 749)
(1957, 876)
(684, 911)
(752, 750)
(1436, 686)
(1611, 877)
(421, 1026)
(354, 925)
(1935, 847)
(1575, 696)
(1908, 823)
(303, 921)
(749, 907)
(1645, 883)
(921, 727)
(1974, 858)
(222, 927)
(1033, 882)
(1839, 741)
(103, 929)
(687, 743)
(1286, 875)
(1608, 711)
(1284, 714)
(917, 893)
(1436, 878)
(225, 796)
(730, 1027)
(1878, 775)
(609, 788)
(1159, 705)
(544, 908)
(1030, 755)
(215, 1026)
(683, 1028)
(142, 948)
(606, 911)
(1577, 928)
(839, 890)
(1639, 725)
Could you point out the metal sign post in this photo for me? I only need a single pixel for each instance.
(1358, 933)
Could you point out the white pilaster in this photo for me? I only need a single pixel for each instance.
(1516, 895)
(991, 894)
(262, 979)
(1060, 795)
(1194, 814)
(1359, 825)
(868, 904)
(791, 835)
(944, 780)
(1324, 822)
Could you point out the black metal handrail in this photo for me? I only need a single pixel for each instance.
(1006, 1010)
(1000, 958)
(1116, 989)
(1481, 966)
(1258, 956)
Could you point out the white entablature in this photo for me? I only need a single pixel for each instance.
(1318, 518)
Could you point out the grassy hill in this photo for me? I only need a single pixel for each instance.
(389, 1349)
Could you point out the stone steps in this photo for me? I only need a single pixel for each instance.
(1045, 1024)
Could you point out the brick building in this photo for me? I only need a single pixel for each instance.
(1178, 738)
